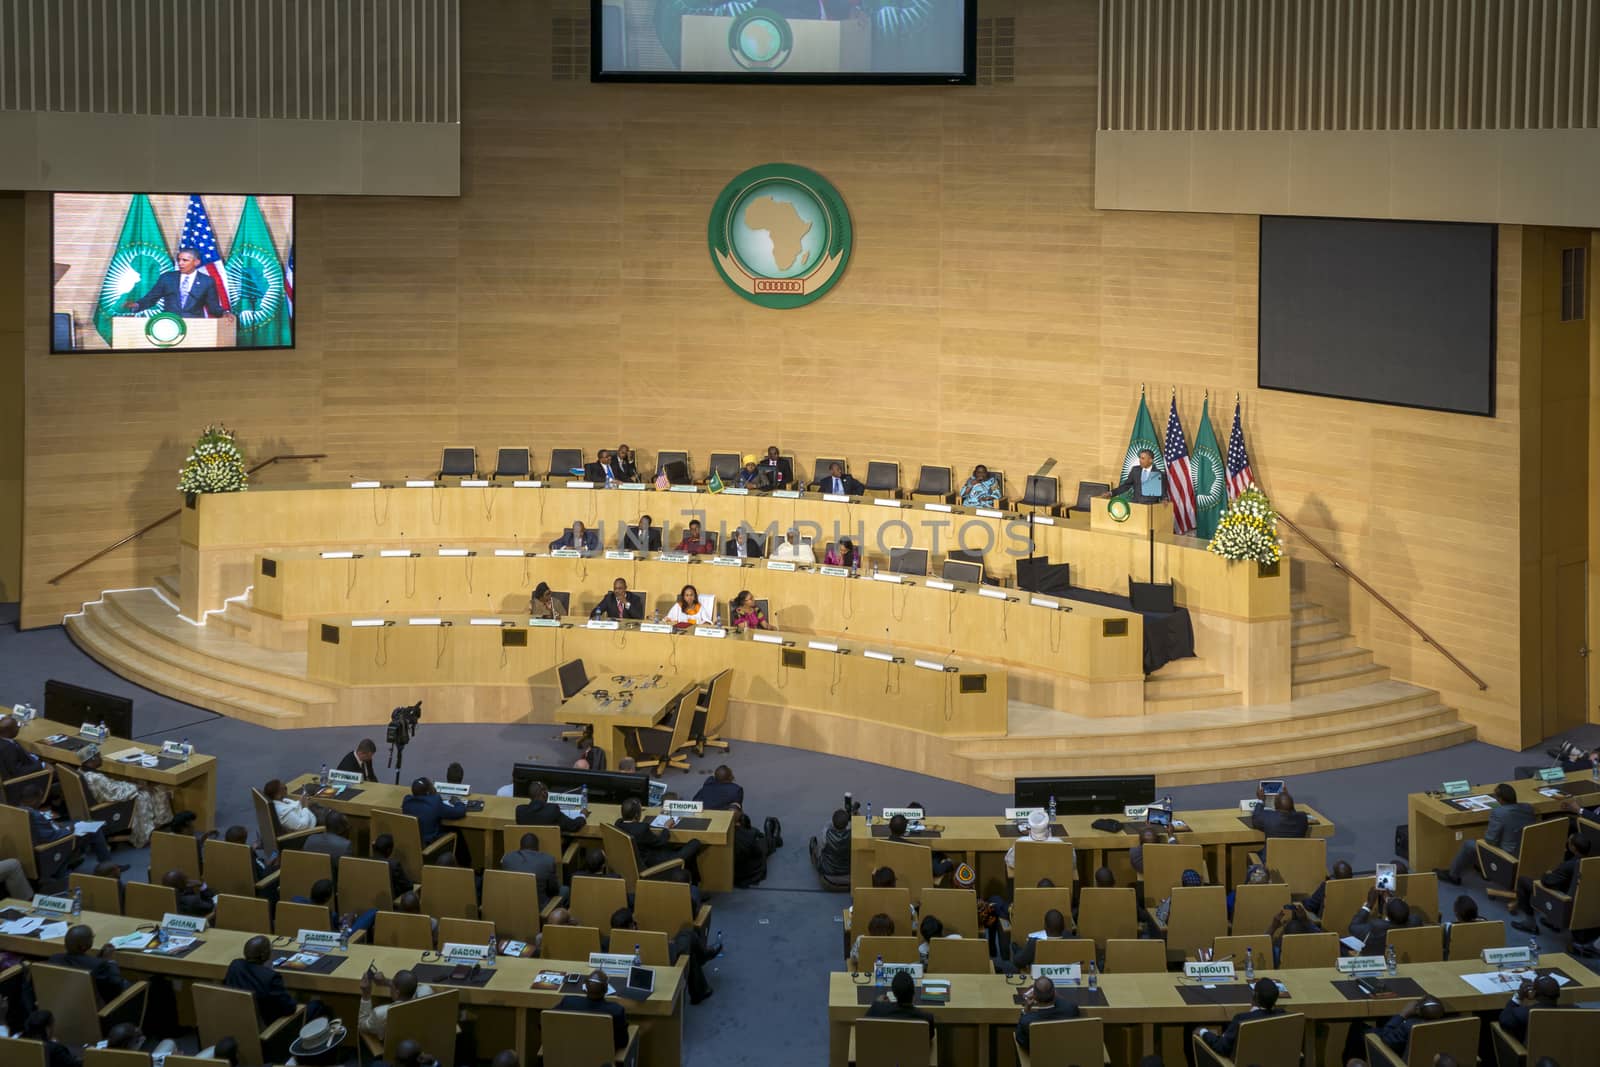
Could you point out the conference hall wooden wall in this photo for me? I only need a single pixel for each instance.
(989, 314)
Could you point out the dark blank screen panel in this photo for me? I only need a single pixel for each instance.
(1369, 309)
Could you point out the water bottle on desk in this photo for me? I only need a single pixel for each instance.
(1249, 964)
(77, 901)
(583, 793)
(1052, 807)
(344, 936)
(322, 779)
(161, 937)
(188, 749)
(878, 975)
(1094, 976)
(1391, 961)
(1533, 951)
(104, 732)
(492, 950)
(636, 960)
(869, 813)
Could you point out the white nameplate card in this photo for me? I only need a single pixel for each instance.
(940, 583)
(565, 553)
(991, 513)
(766, 639)
(946, 508)
(1457, 789)
(419, 483)
(1209, 971)
(726, 561)
(892, 969)
(453, 789)
(59, 905)
(322, 940)
(632, 486)
(188, 924)
(544, 622)
(834, 572)
(780, 564)
(710, 631)
(457, 553)
(1044, 520)
(1135, 811)
(620, 553)
(614, 964)
(176, 749)
(1499, 957)
(474, 483)
(397, 553)
(822, 646)
(837, 498)
(1249, 805)
(886, 502)
(1361, 964)
(682, 807)
(580, 485)
(992, 593)
(735, 491)
(366, 485)
(457, 952)
(93, 732)
(604, 624)
(888, 576)
(526, 483)
(510, 553)
(344, 778)
(911, 814)
(684, 488)
(369, 622)
(1045, 602)
(1058, 972)
(339, 555)
(872, 653)
(674, 557)
(929, 665)
(786, 494)
(657, 628)
(487, 621)
(1020, 814)
(1552, 774)
(426, 620)
(566, 800)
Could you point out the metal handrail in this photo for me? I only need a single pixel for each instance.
(1427, 638)
(141, 531)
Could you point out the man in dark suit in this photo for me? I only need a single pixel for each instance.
(527, 859)
(15, 761)
(45, 829)
(1144, 481)
(1314, 902)
(900, 1003)
(252, 974)
(621, 604)
(625, 466)
(399, 881)
(80, 954)
(333, 840)
(778, 470)
(194, 898)
(837, 481)
(744, 545)
(601, 469)
(578, 537)
(360, 761)
(187, 291)
(430, 809)
(1377, 917)
(594, 1000)
(1263, 1004)
(653, 846)
(1281, 820)
(1506, 823)
(1561, 877)
(688, 944)
(1039, 1005)
(1022, 953)
(720, 792)
(1396, 1032)
(1542, 992)
(538, 811)
(645, 537)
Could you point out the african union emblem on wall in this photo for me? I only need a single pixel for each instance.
(780, 235)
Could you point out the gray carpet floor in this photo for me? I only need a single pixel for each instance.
(782, 937)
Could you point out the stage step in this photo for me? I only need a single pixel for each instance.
(1196, 700)
(168, 584)
(1324, 664)
(1315, 626)
(1330, 683)
(1163, 684)
(1304, 646)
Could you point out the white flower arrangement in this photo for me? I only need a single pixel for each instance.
(215, 465)
(1248, 530)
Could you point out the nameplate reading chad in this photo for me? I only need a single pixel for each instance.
(1020, 814)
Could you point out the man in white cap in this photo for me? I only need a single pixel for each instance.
(1038, 830)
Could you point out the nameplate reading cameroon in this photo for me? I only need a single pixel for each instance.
(911, 814)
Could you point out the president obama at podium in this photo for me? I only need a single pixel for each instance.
(1144, 481)
(188, 291)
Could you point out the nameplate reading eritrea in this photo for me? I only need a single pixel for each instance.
(1211, 970)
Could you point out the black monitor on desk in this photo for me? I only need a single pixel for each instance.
(605, 787)
(1080, 795)
(74, 705)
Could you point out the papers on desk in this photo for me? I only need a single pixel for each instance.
(52, 931)
(661, 822)
(88, 826)
(133, 942)
(1505, 981)
(173, 945)
(1481, 802)
(1354, 944)
(1549, 792)
(127, 755)
(22, 927)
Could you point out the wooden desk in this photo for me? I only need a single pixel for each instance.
(651, 698)
(482, 827)
(507, 994)
(1218, 831)
(1438, 827)
(1069, 660)
(193, 783)
(975, 1026)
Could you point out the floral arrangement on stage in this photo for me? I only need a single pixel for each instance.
(215, 465)
(1248, 530)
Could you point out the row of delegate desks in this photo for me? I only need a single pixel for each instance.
(1438, 824)
(482, 829)
(193, 781)
(1149, 1013)
(985, 839)
(507, 1007)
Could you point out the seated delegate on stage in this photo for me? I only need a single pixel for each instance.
(690, 610)
(620, 604)
(744, 545)
(1144, 481)
(981, 490)
(791, 548)
(695, 542)
(842, 554)
(645, 537)
(360, 760)
(624, 466)
(752, 476)
(578, 537)
(779, 472)
(744, 613)
(600, 471)
(544, 605)
(837, 481)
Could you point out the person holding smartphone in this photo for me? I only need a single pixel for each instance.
(1280, 820)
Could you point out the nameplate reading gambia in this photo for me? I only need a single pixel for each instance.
(325, 940)
(189, 924)
(1209, 971)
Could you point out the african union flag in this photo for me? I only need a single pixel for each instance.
(138, 263)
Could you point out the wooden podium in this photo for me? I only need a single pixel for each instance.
(128, 331)
(820, 47)
(1141, 520)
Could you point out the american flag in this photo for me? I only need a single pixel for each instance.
(288, 282)
(1239, 476)
(198, 234)
(1179, 476)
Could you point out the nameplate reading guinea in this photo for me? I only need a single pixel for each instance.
(1210, 970)
(42, 902)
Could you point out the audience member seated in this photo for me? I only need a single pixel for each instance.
(1561, 878)
(538, 811)
(1290, 920)
(624, 465)
(1022, 952)
(1382, 912)
(333, 840)
(1315, 900)
(1506, 823)
(41, 1026)
(45, 827)
(543, 604)
(1263, 1001)
(78, 946)
(322, 897)
(455, 774)
(430, 809)
(1147, 836)
(880, 925)
(127, 1037)
(941, 864)
(1396, 1032)
(980, 490)
(751, 849)
(253, 974)
(577, 537)
(193, 897)
(15, 760)
(1038, 830)
(152, 805)
(293, 813)
(643, 537)
(558, 917)
(688, 610)
(793, 549)
(900, 1001)
(831, 856)
(842, 553)
(695, 542)
(838, 482)
(374, 1019)
(359, 761)
(1039, 1005)
(1542, 992)
(527, 859)
(621, 604)
(745, 614)
(409, 903)
(1188, 879)
(600, 471)
(594, 1000)
(1281, 820)
(720, 792)
(688, 944)
(744, 545)
(383, 849)
(1570, 757)
(655, 846)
